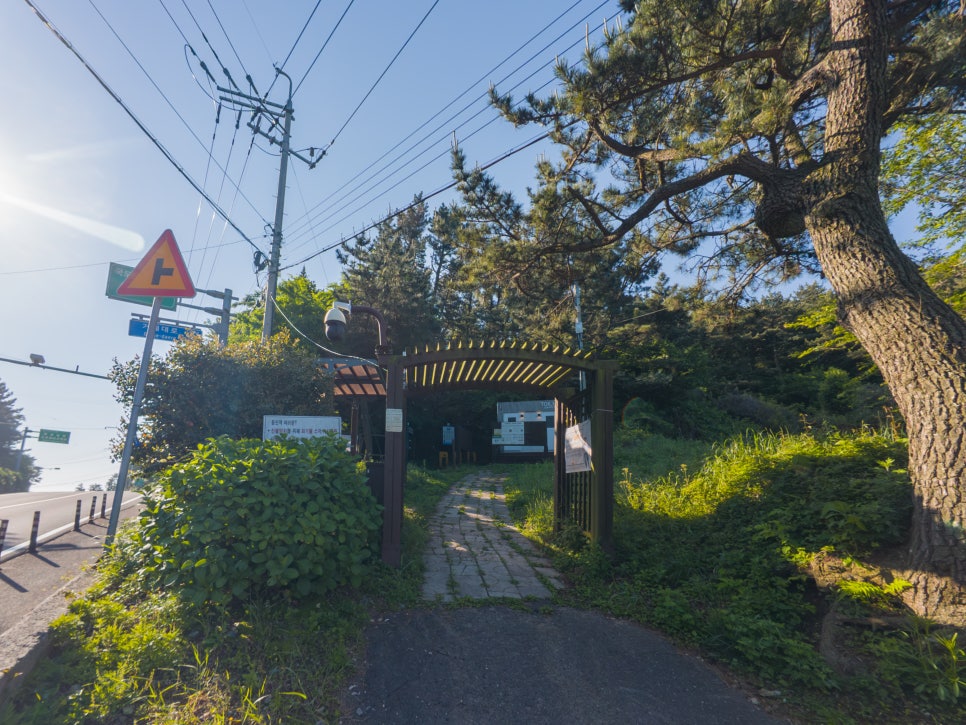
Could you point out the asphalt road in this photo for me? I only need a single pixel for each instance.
(551, 665)
(57, 511)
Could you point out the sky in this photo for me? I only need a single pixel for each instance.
(384, 86)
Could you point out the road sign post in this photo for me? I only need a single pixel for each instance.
(161, 274)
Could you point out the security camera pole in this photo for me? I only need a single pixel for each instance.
(335, 322)
(395, 441)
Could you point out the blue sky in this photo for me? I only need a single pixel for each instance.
(82, 186)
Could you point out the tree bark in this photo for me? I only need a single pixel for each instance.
(917, 341)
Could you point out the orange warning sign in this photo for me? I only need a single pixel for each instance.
(162, 272)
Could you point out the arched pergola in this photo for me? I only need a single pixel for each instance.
(581, 386)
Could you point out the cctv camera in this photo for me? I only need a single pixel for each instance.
(334, 324)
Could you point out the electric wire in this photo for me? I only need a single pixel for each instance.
(437, 192)
(163, 94)
(248, 76)
(258, 31)
(468, 89)
(210, 46)
(298, 186)
(374, 185)
(297, 39)
(381, 76)
(218, 247)
(319, 345)
(144, 129)
(325, 43)
(299, 228)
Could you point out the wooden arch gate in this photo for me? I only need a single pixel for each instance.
(585, 497)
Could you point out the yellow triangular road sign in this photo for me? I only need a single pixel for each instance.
(162, 272)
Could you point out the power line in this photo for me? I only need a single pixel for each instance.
(298, 228)
(325, 43)
(258, 31)
(190, 130)
(210, 46)
(248, 76)
(382, 75)
(130, 113)
(295, 44)
(438, 191)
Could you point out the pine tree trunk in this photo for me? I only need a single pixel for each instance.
(916, 340)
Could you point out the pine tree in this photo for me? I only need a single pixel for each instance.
(12, 476)
(389, 272)
(747, 135)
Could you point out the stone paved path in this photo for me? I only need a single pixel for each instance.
(475, 551)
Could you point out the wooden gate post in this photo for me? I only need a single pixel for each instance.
(602, 454)
(395, 468)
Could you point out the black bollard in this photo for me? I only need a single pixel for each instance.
(77, 516)
(33, 532)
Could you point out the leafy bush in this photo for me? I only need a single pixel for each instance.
(245, 516)
(201, 390)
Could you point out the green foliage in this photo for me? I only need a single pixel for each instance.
(303, 306)
(132, 650)
(124, 654)
(926, 168)
(11, 438)
(708, 539)
(201, 390)
(245, 517)
(872, 594)
(924, 662)
(389, 272)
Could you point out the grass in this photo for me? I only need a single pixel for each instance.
(124, 655)
(720, 546)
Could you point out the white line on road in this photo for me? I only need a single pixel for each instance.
(35, 501)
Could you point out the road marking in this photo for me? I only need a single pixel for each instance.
(38, 501)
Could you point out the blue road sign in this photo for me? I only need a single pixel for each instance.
(164, 331)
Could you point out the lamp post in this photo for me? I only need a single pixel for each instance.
(394, 465)
(335, 323)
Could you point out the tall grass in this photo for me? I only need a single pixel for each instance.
(713, 544)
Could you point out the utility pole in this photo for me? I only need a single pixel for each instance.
(275, 113)
(23, 442)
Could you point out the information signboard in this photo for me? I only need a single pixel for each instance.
(163, 331)
(53, 436)
(300, 426)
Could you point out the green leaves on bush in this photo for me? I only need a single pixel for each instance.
(245, 516)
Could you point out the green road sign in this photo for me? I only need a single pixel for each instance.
(117, 274)
(53, 436)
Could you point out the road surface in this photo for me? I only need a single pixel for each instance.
(57, 513)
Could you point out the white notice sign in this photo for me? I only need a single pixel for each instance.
(394, 418)
(577, 448)
(300, 426)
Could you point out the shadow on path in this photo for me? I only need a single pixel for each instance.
(533, 663)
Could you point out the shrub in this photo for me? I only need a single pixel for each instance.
(246, 516)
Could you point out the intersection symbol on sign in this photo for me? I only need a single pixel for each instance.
(162, 272)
